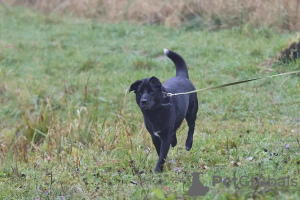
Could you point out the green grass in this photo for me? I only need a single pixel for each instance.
(70, 129)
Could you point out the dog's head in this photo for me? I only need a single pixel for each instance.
(149, 93)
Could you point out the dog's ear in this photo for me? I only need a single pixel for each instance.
(134, 85)
(155, 81)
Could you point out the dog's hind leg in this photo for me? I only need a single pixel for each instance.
(191, 118)
(174, 139)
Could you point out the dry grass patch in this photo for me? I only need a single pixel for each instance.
(279, 14)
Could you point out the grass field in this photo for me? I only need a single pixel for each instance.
(70, 129)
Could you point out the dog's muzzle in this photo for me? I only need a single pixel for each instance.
(144, 104)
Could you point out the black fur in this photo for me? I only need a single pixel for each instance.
(162, 114)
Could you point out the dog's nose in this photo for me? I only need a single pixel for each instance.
(144, 101)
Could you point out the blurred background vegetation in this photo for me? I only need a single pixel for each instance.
(282, 15)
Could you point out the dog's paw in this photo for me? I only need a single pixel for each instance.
(158, 169)
(188, 148)
(174, 142)
(188, 145)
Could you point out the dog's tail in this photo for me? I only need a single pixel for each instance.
(181, 68)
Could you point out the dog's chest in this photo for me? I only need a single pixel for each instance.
(158, 122)
(157, 117)
(156, 133)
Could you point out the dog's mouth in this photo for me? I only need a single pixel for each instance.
(145, 107)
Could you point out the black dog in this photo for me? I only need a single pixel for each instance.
(163, 114)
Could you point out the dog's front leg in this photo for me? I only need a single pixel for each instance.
(164, 149)
(156, 142)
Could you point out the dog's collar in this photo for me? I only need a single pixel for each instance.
(165, 94)
(169, 94)
(165, 99)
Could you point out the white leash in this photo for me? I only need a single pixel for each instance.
(229, 84)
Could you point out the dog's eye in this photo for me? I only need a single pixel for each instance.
(140, 93)
(151, 92)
